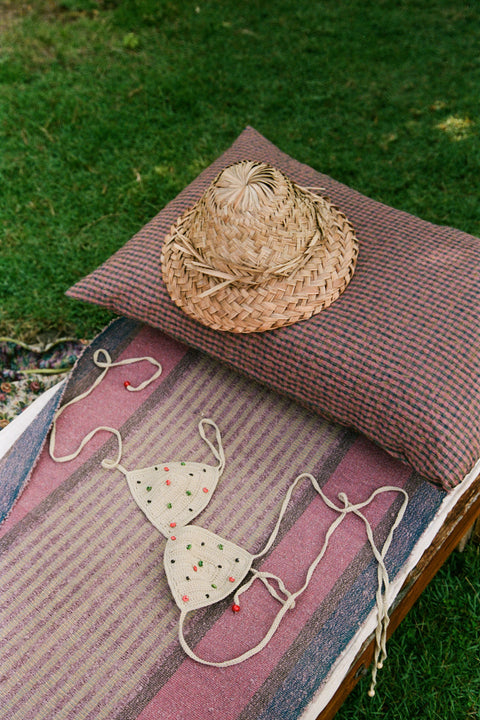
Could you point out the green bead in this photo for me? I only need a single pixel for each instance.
(149, 488)
(169, 505)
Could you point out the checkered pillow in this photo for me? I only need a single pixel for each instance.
(396, 356)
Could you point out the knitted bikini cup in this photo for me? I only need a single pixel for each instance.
(201, 567)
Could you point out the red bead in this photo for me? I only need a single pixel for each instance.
(173, 524)
(127, 383)
(168, 482)
(173, 537)
(166, 469)
(185, 598)
(205, 490)
(235, 608)
(232, 579)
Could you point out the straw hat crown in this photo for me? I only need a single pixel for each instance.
(257, 251)
(253, 224)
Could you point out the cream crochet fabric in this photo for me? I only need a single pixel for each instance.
(172, 494)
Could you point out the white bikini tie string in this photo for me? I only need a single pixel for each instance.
(383, 584)
(287, 604)
(106, 364)
(265, 577)
(290, 598)
(283, 509)
(217, 452)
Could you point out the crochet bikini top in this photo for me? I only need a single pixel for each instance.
(201, 567)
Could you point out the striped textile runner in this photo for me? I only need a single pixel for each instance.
(88, 625)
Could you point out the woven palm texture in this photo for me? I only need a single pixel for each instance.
(257, 252)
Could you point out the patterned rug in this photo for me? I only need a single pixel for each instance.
(26, 371)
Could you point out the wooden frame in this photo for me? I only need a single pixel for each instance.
(459, 521)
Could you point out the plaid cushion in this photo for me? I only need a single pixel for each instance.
(396, 356)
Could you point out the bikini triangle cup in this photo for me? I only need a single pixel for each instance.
(201, 567)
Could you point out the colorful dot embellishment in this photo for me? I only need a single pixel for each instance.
(173, 524)
(231, 579)
(166, 469)
(205, 490)
(126, 384)
(168, 482)
(235, 608)
(185, 598)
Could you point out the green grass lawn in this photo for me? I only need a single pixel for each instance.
(433, 667)
(108, 108)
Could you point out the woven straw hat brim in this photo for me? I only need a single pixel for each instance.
(278, 301)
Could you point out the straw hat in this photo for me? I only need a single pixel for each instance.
(257, 252)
